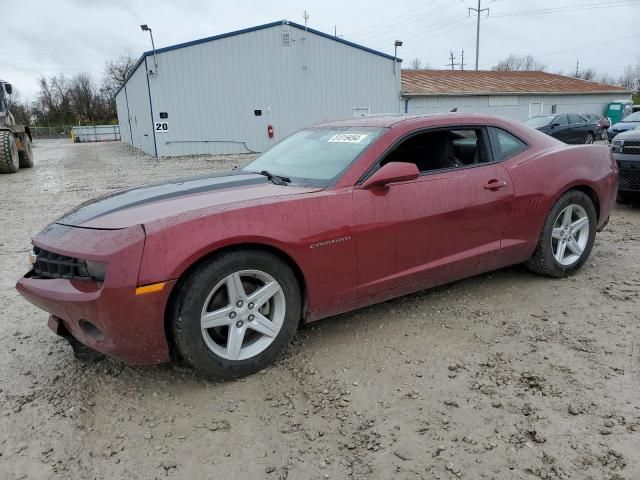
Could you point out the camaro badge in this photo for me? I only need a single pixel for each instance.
(330, 242)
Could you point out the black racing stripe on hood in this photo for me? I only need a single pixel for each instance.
(156, 192)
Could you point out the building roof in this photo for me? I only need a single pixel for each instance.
(253, 29)
(489, 82)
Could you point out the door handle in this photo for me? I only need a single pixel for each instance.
(495, 185)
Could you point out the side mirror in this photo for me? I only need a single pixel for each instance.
(8, 88)
(555, 124)
(392, 172)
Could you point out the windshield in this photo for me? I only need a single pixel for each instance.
(634, 117)
(537, 122)
(315, 156)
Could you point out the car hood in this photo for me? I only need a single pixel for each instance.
(148, 203)
(624, 126)
(629, 135)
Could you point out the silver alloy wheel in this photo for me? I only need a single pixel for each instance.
(243, 314)
(588, 139)
(570, 234)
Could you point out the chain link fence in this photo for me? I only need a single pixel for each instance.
(52, 132)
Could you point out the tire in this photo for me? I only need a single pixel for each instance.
(588, 138)
(9, 161)
(26, 156)
(603, 135)
(544, 260)
(204, 292)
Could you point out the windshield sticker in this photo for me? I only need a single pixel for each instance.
(348, 138)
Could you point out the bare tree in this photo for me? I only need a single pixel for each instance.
(418, 64)
(631, 77)
(53, 103)
(588, 74)
(515, 63)
(116, 73)
(83, 97)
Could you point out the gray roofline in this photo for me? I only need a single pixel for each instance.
(477, 94)
(253, 29)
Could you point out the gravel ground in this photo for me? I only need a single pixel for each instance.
(506, 375)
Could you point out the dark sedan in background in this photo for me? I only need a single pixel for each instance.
(628, 123)
(626, 151)
(566, 127)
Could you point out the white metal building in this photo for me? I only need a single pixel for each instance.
(220, 94)
(517, 95)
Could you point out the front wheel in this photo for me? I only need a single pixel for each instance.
(567, 236)
(234, 313)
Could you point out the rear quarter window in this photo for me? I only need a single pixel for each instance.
(505, 144)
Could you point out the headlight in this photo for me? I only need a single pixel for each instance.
(616, 146)
(32, 258)
(96, 270)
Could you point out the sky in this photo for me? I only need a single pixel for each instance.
(71, 36)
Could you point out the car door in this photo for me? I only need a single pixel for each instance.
(560, 128)
(446, 224)
(579, 128)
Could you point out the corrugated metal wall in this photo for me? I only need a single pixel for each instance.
(210, 91)
(518, 107)
(134, 112)
(123, 116)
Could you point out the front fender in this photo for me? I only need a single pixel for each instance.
(172, 248)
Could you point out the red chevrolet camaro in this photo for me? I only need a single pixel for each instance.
(219, 270)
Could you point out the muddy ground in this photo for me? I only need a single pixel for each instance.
(504, 376)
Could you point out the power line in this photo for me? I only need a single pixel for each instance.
(431, 31)
(393, 20)
(391, 29)
(588, 45)
(568, 8)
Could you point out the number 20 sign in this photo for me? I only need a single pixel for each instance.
(161, 127)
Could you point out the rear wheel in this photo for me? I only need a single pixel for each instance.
(26, 155)
(588, 138)
(9, 161)
(234, 314)
(567, 236)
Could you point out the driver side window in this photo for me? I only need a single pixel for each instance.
(561, 120)
(441, 149)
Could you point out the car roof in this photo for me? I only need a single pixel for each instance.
(390, 120)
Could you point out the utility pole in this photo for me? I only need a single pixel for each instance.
(478, 10)
(452, 58)
(577, 67)
(462, 60)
